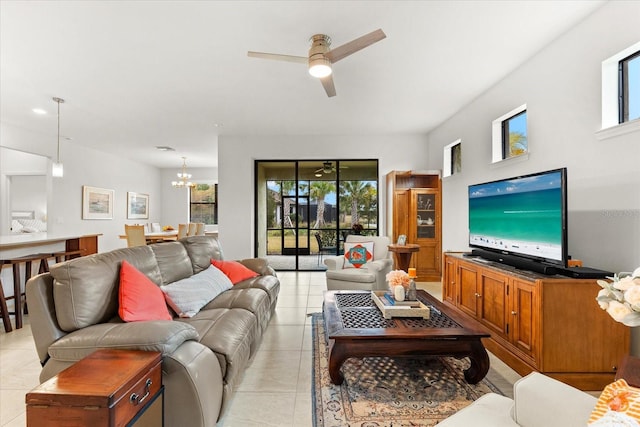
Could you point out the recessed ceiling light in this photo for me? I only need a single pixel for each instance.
(39, 111)
(165, 148)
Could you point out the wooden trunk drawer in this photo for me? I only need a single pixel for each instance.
(107, 388)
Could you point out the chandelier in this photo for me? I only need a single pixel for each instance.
(183, 177)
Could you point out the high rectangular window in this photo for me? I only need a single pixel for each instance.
(629, 88)
(514, 135)
(509, 135)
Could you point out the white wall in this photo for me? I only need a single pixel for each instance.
(561, 87)
(84, 166)
(236, 172)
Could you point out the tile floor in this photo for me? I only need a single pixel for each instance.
(278, 381)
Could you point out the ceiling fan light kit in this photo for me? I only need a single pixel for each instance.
(319, 65)
(321, 59)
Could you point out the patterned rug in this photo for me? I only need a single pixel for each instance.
(389, 392)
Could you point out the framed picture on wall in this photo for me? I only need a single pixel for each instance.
(97, 203)
(137, 205)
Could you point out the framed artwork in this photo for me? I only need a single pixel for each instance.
(137, 205)
(97, 203)
(402, 240)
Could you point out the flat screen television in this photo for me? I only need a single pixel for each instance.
(523, 218)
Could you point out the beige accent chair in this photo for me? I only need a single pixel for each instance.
(370, 277)
(192, 229)
(182, 230)
(538, 401)
(135, 235)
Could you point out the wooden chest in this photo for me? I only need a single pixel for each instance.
(107, 388)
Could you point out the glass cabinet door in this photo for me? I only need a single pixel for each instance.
(426, 216)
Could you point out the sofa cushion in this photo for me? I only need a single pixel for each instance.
(234, 270)
(160, 335)
(230, 334)
(269, 284)
(255, 300)
(173, 261)
(85, 289)
(193, 293)
(139, 298)
(201, 250)
(490, 410)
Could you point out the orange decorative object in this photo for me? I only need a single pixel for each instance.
(412, 272)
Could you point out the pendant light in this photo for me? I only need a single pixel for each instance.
(57, 171)
(184, 177)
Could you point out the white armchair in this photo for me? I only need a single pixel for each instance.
(369, 277)
(538, 401)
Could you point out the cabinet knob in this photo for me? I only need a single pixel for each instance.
(478, 295)
(514, 312)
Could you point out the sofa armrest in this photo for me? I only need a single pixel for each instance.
(164, 336)
(334, 262)
(541, 401)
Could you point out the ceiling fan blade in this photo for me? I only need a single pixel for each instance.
(278, 57)
(335, 55)
(329, 87)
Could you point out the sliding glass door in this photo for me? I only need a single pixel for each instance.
(304, 209)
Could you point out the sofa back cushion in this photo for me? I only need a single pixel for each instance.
(173, 261)
(202, 249)
(85, 289)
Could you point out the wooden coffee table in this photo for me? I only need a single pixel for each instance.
(355, 327)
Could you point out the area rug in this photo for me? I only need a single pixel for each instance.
(389, 392)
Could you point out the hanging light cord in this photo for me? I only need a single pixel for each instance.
(58, 100)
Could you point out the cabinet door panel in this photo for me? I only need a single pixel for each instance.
(523, 314)
(493, 291)
(401, 214)
(449, 280)
(468, 299)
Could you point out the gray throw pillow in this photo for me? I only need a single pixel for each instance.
(193, 293)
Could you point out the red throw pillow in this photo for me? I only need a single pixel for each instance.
(235, 271)
(140, 299)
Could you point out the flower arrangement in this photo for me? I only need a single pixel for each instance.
(621, 297)
(398, 277)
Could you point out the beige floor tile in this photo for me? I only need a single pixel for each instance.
(295, 300)
(272, 371)
(12, 404)
(304, 375)
(259, 409)
(302, 416)
(289, 315)
(282, 337)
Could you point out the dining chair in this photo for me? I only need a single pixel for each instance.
(135, 235)
(155, 227)
(182, 231)
(192, 229)
(200, 229)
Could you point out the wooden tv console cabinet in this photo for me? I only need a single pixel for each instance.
(549, 324)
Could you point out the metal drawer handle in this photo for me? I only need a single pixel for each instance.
(135, 398)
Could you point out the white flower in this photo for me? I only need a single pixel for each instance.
(603, 299)
(618, 310)
(632, 295)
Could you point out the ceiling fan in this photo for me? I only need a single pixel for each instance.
(321, 57)
(327, 168)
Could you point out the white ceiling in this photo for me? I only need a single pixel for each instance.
(139, 74)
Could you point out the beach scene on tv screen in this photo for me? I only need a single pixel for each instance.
(523, 215)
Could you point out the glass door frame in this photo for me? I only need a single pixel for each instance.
(261, 180)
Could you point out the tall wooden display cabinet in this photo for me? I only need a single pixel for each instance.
(414, 209)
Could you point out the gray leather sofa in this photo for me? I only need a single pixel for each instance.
(73, 311)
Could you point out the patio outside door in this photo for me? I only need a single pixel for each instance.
(299, 219)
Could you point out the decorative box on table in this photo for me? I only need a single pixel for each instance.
(392, 308)
(106, 388)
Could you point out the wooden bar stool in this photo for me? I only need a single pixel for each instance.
(18, 294)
